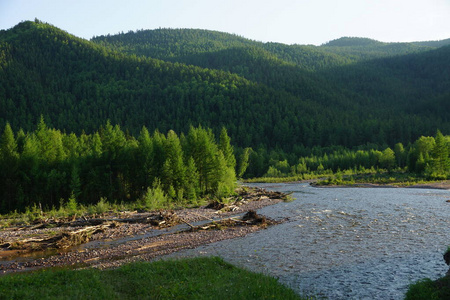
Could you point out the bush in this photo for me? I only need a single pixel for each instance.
(154, 198)
(72, 205)
(422, 290)
(102, 206)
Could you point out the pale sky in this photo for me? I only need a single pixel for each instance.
(285, 21)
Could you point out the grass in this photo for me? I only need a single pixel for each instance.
(286, 178)
(195, 278)
(426, 289)
(349, 177)
(383, 178)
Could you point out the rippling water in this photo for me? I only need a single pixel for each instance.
(347, 243)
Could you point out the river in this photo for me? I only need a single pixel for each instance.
(346, 243)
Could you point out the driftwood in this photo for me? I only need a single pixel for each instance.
(260, 193)
(162, 219)
(190, 225)
(246, 195)
(251, 218)
(68, 239)
(60, 241)
(95, 224)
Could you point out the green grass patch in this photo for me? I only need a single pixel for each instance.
(426, 289)
(195, 278)
(397, 177)
(300, 177)
(383, 178)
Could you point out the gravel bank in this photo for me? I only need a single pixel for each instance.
(129, 241)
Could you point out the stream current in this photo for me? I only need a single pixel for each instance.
(346, 243)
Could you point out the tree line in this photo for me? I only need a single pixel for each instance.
(428, 156)
(46, 166)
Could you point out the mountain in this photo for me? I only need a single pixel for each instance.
(390, 78)
(194, 46)
(277, 98)
(335, 70)
(76, 85)
(359, 49)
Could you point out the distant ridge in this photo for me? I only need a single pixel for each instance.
(353, 41)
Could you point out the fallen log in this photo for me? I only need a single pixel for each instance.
(163, 218)
(60, 241)
(251, 218)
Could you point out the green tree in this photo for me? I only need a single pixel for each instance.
(174, 170)
(440, 162)
(144, 161)
(9, 163)
(243, 162)
(192, 181)
(226, 148)
(400, 155)
(75, 182)
(8, 145)
(387, 159)
(201, 147)
(223, 177)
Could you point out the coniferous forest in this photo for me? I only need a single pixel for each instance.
(127, 115)
(46, 165)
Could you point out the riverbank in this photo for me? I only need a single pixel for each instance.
(130, 236)
(441, 185)
(384, 179)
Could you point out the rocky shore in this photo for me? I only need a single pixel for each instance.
(112, 240)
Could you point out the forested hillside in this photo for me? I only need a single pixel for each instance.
(349, 74)
(281, 100)
(359, 49)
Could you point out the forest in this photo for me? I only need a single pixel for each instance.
(347, 104)
(428, 157)
(46, 166)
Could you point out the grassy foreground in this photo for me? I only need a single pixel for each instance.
(196, 278)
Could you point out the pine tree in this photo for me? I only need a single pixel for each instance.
(9, 163)
(400, 155)
(144, 160)
(8, 145)
(201, 147)
(226, 148)
(243, 162)
(174, 170)
(75, 182)
(192, 181)
(440, 163)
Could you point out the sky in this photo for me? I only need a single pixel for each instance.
(285, 21)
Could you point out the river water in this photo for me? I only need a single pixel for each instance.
(346, 243)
